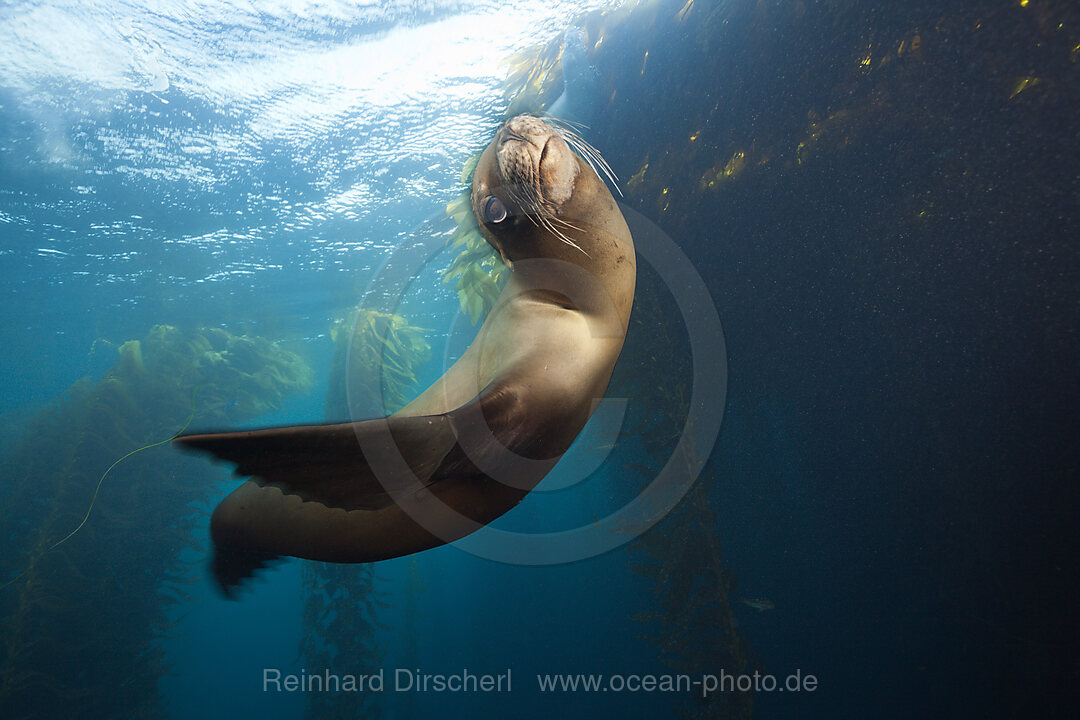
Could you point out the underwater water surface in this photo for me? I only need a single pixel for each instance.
(881, 199)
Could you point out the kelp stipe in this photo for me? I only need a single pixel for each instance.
(94, 610)
(692, 623)
(693, 626)
(374, 372)
(97, 488)
(413, 591)
(122, 458)
(341, 603)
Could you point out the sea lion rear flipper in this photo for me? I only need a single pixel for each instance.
(233, 566)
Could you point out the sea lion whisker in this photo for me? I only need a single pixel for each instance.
(567, 224)
(572, 125)
(589, 154)
(593, 154)
(522, 198)
(550, 226)
(573, 244)
(528, 195)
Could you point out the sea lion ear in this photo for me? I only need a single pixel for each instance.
(558, 171)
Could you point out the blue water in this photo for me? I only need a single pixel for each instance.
(880, 199)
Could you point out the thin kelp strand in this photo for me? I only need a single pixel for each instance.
(101, 480)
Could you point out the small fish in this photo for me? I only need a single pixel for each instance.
(759, 604)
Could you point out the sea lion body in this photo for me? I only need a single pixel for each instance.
(471, 446)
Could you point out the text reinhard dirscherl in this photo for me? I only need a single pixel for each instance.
(466, 681)
(403, 680)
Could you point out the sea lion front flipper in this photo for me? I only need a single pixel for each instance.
(315, 467)
(333, 464)
(341, 492)
(327, 463)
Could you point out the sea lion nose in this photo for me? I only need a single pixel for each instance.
(527, 129)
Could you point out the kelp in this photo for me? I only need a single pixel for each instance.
(692, 623)
(535, 75)
(82, 620)
(889, 72)
(476, 272)
(339, 627)
(377, 356)
(935, 110)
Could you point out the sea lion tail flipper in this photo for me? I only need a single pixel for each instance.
(233, 566)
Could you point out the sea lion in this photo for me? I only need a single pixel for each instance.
(471, 446)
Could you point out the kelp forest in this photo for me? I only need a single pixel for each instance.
(95, 568)
(97, 512)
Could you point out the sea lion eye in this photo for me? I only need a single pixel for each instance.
(494, 210)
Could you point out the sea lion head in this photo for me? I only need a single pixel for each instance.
(534, 196)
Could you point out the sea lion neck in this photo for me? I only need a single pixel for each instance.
(535, 199)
